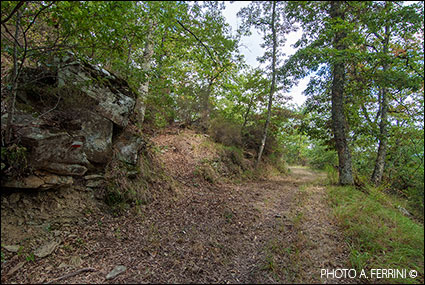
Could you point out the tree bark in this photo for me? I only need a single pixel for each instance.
(383, 129)
(338, 117)
(205, 105)
(140, 107)
(11, 107)
(272, 87)
(245, 119)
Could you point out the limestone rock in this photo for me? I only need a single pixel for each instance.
(74, 128)
(65, 169)
(128, 147)
(49, 149)
(51, 180)
(113, 97)
(93, 176)
(40, 180)
(46, 249)
(97, 133)
(31, 181)
(116, 271)
(11, 248)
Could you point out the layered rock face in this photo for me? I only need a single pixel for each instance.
(69, 116)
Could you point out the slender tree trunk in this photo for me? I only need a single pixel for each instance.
(338, 117)
(383, 129)
(205, 104)
(140, 107)
(245, 119)
(272, 87)
(11, 107)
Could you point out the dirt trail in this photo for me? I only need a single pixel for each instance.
(272, 231)
(276, 230)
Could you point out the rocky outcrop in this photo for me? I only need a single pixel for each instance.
(70, 118)
(113, 98)
(127, 147)
(39, 181)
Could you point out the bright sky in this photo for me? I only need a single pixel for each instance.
(250, 47)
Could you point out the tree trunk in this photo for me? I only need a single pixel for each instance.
(338, 117)
(383, 140)
(272, 87)
(140, 107)
(383, 129)
(205, 105)
(245, 119)
(11, 107)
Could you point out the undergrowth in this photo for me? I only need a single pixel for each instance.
(378, 234)
(130, 186)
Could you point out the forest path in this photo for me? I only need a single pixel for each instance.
(277, 230)
(274, 230)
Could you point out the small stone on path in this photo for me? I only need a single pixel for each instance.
(46, 249)
(11, 248)
(116, 271)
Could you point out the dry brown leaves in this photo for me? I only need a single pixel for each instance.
(223, 233)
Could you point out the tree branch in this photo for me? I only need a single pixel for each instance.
(12, 36)
(36, 15)
(13, 12)
(87, 269)
(206, 48)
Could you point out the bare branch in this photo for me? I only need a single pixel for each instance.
(36, 15)
(13, 12)
(87, 269)
(206, 48)
(10, 34)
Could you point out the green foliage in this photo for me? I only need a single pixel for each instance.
(14, 159)
(206, 172)
(320, 156)
(30, 257)
(331, 174)
(130, 185)
(378, 234)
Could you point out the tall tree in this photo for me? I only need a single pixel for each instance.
(339, 125)
(392, 30)
(330, 32)
(268, 17)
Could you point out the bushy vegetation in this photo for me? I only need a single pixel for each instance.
(225, 131)
(378, 234)
(134, 185)
(14, 161)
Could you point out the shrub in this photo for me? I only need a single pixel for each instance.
(14, 161)
(225, 132)
(378, 234)
(252, 136)
(320, 156)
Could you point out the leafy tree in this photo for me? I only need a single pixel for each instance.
(268, 17)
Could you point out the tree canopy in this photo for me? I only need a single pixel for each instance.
(365, 98)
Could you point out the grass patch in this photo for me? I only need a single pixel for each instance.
(379, 236)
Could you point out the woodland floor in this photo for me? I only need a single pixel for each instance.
(277, 230)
